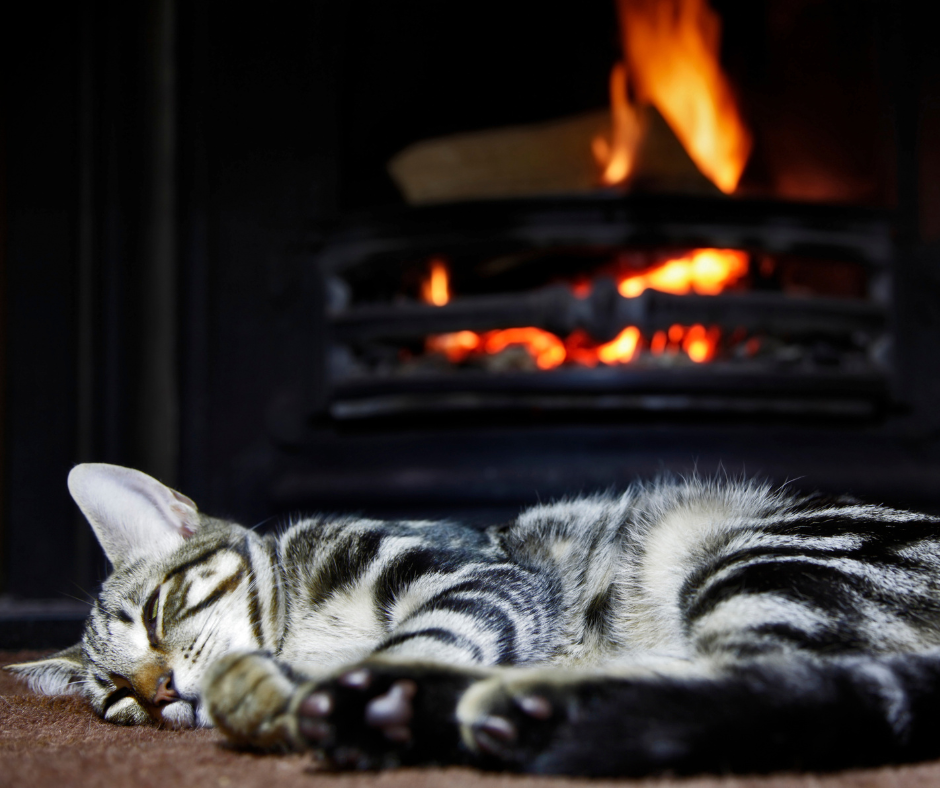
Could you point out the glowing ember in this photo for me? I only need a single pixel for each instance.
(672, 59)
(622, 348)
(699, 343)
(456, 346)
(658, 343)
(704, 271)
(547, 349)
(436, 288)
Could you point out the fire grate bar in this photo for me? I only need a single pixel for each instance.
(391, 405)
(718, 387)
(604, 313)
(609, 219)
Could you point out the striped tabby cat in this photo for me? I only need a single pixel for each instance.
(684, 626)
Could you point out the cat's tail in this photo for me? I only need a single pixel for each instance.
(809, 714)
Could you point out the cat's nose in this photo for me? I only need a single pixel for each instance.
(165, 692)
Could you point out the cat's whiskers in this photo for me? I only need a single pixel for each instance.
(263, 522)
(87, 597)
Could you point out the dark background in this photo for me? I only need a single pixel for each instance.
(166, 171)
(162, 165)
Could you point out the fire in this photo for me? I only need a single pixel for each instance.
(704, 271)
(672, 52)
(659, 343)
(699, 343)
(622, 348)
(547, 349)
(616, 155)
(436, 288)
(456, 346)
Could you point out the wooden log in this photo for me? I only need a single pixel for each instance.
(542, 158)
(539, 159)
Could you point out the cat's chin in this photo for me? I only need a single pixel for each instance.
(180, 715)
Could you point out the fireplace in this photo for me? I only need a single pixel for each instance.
(718, 250)
(610, 302)
(676, 252)
(570, 298)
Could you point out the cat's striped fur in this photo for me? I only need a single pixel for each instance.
(678, 625)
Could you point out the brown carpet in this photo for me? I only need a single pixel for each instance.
(59, 742)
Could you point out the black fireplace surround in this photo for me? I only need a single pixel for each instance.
(181, 187)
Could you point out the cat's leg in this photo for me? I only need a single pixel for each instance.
(755, 716)
(377, 714)
(519, 719)
(779, 713)
(387, 712)
(248, 697)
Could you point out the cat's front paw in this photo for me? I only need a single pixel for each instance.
(380, 715)
(247, 696)
(510, 719)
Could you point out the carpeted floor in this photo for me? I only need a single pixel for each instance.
(58, 742)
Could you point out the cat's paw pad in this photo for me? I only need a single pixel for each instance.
(380, 715)
(359, 718)
(388, 713)
(392, 712)
(510, 720)
(247, 696)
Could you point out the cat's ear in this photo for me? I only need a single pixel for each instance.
(59, 674)
(132, 514)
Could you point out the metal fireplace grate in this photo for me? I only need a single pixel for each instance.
(842, 369)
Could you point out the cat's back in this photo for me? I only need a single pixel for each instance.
(667, 567)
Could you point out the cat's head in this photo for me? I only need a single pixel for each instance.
(185, 589)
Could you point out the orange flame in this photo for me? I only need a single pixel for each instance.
(704, 271)
(672, 49)
(658, 343)
(700, 343)
(616, 155)
(436, 288)
(456, 346)
(547, 349)
(622, 348)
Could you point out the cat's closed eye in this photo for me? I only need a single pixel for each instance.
(150, 617)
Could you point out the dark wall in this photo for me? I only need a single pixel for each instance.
(258, 121)
(164, 163)
(40, 152)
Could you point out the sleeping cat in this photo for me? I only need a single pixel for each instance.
(681, 625)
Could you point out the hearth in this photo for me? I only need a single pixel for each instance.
(593, 262)
(569, 303)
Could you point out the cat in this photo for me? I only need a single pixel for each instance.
(682, 625)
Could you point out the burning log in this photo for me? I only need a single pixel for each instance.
(674, 124)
